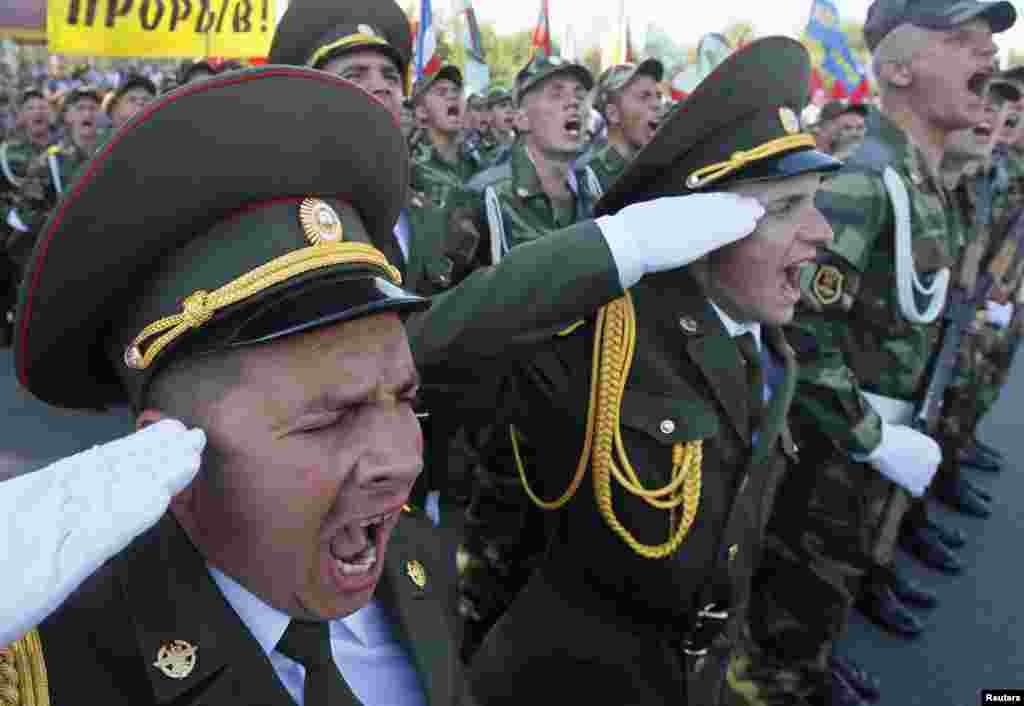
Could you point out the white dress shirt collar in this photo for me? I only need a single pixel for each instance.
(735, 328)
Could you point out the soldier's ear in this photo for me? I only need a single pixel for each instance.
(896, 73)
(612, 114)
(522, 120)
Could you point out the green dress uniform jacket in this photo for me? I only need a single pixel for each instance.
(101, 645)
(597, 613)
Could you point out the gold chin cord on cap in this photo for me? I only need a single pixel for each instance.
(200, 306)
(614, 345)
(346, 41)
(713, 172)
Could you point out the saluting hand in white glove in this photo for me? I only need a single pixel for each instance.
(906, 457)
(673, 231)
(61, 523)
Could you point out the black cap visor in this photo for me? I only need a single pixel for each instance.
(323, 303)
(788, 165)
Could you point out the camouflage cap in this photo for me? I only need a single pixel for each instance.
(885, 15)
(476, 102)
(496, 96)
(542, 68)
(833, 109)
(131, 82)
(615, 78)
(445, 73)
(78, 93)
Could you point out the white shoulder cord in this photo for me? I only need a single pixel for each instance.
(907, 282)
(593, 184)
(6, 166)
(55, 172)
(498, 244)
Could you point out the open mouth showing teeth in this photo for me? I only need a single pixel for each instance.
(453, 112)
(363, 560)
(977, 82)
(573, 127)
(983, 130)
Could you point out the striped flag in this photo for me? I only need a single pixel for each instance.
(427, 59)
(542, 34)
(476, 74)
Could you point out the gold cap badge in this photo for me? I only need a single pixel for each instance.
(176, 659)
(417, 574)
(790, 122)
(320, 222)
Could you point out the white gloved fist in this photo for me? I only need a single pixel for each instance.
(999, 315)
(673, 231)
(61, 523)
(906, 457)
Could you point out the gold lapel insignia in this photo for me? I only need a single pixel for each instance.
(176, 659)
(790, 121)
(688, 324)
(828, 284)
(417, 574)
(320, 222)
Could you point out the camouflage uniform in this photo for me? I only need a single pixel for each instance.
(39, 193)
(835, 518)
(504, 531)
(436, 177)
(607, 163)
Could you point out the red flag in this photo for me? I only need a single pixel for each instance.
(816, 83)
(838, 91)
(542, 34)
(861, 93)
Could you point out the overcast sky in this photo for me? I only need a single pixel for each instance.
(685, 20)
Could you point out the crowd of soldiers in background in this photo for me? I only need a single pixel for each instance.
(491, 149)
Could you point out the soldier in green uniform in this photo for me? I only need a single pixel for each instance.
(441, 166)
(501, 121)
(29, 141)
(52, 172)
(868, 323)
(129, 98)
(536, 191)
(629, 100)
(652, 444)
(269, 316)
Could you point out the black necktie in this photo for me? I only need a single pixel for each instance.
(755, 377)
(309, 644)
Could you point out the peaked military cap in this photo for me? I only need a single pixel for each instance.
(448, 72)
(78, 93)
(189, 67)
(541, 68)
(209, 242)
(740, 124)
(312, 32)
(497, 96)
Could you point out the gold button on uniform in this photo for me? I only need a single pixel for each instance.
(417, 574)
(688, 324)
(733, 551)
(668, 426)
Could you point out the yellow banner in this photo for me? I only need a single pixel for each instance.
(161, 28)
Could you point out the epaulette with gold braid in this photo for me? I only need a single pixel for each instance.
(23, 679)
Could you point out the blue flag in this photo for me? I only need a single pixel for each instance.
(823, 28)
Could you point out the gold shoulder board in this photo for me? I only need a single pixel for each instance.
(23, 673)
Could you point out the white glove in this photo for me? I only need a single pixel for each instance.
(667, 233)
(907, 457)
(61, 523)
(999, 315)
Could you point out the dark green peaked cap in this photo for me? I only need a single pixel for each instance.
(184, 235)
(311, 32)
(741, 123)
